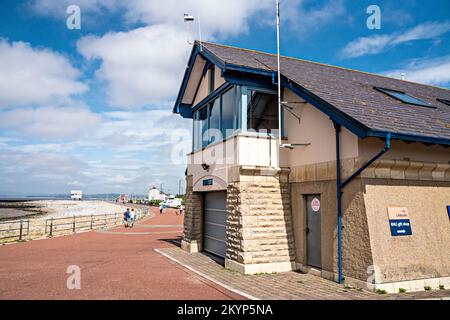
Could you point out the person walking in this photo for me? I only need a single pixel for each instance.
(126, 216)
(161, 208)
(132, 217)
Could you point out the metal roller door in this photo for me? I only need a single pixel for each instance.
(215, 220)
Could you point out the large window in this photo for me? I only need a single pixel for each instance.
(199, 127)
(230, 112)
(223, 116)
(214, 133)
(262, 111)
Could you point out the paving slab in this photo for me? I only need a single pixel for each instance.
(118, 263)
(282, 286)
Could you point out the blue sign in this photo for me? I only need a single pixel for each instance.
(400, 227)
(208, 182)
(448, 211)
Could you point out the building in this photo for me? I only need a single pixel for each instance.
(76, 194)
(122, 198)
(358, 194)
(155, 194)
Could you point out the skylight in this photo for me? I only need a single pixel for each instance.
(404, 97)
(447, 102)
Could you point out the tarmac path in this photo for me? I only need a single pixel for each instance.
(118, 263)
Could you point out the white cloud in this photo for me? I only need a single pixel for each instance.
(218, 17)
(127, 151)
(35, 76)
(429, 71)
(303, 20)
(50, 122)
(141, 67)
(378, 43)
(366, 45)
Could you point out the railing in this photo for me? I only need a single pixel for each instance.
(83, 222)
(16, 229)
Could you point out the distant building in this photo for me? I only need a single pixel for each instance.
(76, 194)
(122, 198)
(155, 194)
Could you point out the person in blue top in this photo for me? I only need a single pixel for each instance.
(126, 216)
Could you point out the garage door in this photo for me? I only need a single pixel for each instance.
(214, 231)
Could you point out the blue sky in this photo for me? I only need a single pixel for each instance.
(91, 108)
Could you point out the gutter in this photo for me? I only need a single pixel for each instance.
(340, 186)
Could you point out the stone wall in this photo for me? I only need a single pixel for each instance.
(356, 253)
(193, 219)
(422, 187)
(259, 222)
(426, 253)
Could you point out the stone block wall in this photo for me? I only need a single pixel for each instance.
(193, 219)
(410, 261)
(259, 222)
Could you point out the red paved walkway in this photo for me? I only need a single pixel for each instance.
(118, 264)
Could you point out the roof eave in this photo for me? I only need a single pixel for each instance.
(409, 137)
(209, 56)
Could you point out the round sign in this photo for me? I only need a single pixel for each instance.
(315, 204)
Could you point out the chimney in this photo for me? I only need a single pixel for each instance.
(403, 76)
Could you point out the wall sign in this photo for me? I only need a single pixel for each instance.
(315, 205)
(448, 211)
(399, 222)
(208, 182)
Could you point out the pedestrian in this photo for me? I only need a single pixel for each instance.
(161, 208)
(132, 217)
(181, 210)
(126, 216)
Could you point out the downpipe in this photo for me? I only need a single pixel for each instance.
(340, 186)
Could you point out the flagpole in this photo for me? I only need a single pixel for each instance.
(279, 74)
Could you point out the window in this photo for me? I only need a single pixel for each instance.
(214, 133)
(262, 111)
(199, 127)
(230, 112)
(404, 97)
(447, 102)
(211, 78)
(224, 115)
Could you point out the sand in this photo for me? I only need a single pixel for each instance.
(59, 208)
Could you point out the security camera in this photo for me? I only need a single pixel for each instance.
(188, 18)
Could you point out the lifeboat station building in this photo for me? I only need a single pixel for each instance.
(358, 192)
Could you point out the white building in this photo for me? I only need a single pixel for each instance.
(155, 194)
(76, 194)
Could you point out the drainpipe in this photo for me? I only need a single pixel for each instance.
(340, 186)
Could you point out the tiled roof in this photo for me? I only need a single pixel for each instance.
(353, 93)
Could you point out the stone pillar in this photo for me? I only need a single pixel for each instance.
(259, 222)
(192, 231)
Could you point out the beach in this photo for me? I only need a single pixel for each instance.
(10, 210)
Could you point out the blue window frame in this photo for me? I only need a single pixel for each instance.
(262, 111)
(404, 97)
(212, 78)
(234, 109)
